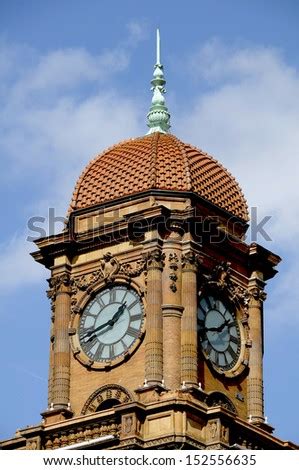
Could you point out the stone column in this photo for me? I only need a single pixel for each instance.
(154, 324)
(189, 319)
(172, 312)
(61, 372)
(255, 389)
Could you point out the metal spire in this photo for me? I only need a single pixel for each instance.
(158, 117)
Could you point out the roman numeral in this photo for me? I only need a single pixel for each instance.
(209, 301)
(216, 356)
(203, 306)
(225, 359)
(136, 317)
(89, 344)
(98, 353)
(208, 349)
(101, 303)
(112, 295)
(133, 332)
(228, 356)
(84, 333)
(234, 339)
(231, 351)
(111, 350)
(135, 302)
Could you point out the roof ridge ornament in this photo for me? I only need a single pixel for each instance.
(158, 117)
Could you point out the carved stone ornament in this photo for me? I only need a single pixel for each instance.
(33, 444)
(257, 293)
(212, 430)
(77, 434)
(190, 261)
(107, 392)
(109, 266)
(128, 425)
(173, 266)
(154, 259)
(221, 281)
(108, 269)
(133, 269)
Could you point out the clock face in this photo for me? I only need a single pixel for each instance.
(219, 333)
(111, 323)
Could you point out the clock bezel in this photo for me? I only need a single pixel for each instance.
(243, 353)
(74, 330)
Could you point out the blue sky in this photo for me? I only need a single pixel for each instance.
(74, 79)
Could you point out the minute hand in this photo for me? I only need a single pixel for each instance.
(117, 314)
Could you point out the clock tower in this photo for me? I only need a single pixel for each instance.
(157, 304)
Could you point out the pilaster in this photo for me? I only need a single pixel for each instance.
(154, 333)
(189, 319)
(172, 309)
(255, 388)
(60, 292)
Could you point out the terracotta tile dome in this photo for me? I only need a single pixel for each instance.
(157, 161)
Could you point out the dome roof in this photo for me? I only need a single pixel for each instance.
(157, 161)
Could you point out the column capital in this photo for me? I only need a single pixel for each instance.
(255, 290)
(59, 283)
(190, 261)
(154, 259)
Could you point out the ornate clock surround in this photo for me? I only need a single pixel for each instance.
(221, 285)
(88, 293)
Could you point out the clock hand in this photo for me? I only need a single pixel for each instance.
(90, 334)
(117, 314)
(218, 328)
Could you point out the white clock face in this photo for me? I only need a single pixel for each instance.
(111, 323)
(219, 333)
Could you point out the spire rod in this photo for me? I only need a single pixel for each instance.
(158, 47)
(158, 117)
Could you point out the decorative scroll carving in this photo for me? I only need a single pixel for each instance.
(173, 265)
(109, 267)
(221, 281)
(133, 269)
(107, 392)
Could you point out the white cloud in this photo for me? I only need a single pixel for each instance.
(56, 112)
(249, 120)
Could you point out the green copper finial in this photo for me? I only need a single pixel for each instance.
(158, 117)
